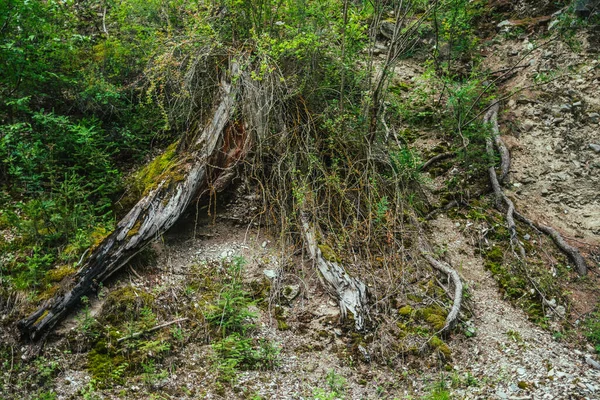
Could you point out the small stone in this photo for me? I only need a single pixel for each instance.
(264, 244)
(528, 125)
(521, 371)
(557, 121)
(561, 311)
(504, 23)
(290, 292)
(595, 147)
(527, 236)
(270, 273)
(577, 104)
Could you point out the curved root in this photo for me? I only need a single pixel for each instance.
(572, 252)
(452, 318)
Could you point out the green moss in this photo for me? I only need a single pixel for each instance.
(282, 325)
(146, 178)
(405, 311)
(439, 345)
(134, 229)
(124, 304)
(41, 317)
(494, 255)
(414, 297)
(57, 274)
(48, 293)
(104, 364)
(436, 321)
(523, 385)
(328, 253)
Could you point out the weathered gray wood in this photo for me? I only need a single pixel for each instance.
(452, 318)
(149, 218)
(349, 292)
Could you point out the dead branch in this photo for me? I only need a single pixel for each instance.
(572, 252)
(154, 328)
(203, 162)
(492, 117)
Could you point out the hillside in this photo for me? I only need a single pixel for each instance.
(300, 200)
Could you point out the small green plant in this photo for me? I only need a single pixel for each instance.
(85, 319)
(515, 336)
(89, 392)
(231, 317)
(592, 326)
(439, 391)
(151, 375)
(336, 382)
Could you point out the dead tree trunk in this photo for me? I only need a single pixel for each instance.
(349, 292)
(218, 145)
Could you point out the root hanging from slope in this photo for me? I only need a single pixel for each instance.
(452, 318)
(204, 166)
(349, 292)
(572, 252)
(491, 117)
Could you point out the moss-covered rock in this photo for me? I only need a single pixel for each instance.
(439, 345)
(124, 304)
(59, 273)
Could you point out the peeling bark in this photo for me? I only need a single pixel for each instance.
(349, 292)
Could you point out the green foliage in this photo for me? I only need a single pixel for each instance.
(592, 329)
(336, 387)
(231, 313)
(231, 317)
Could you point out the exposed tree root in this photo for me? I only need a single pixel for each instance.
(452, 318)
(491, 116)
(204, 166)
(574, 254)
(349, 292)
(435, 159)
(566, 248)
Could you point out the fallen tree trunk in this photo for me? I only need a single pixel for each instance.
(202, 166)
(572, 252)
(349, 292)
